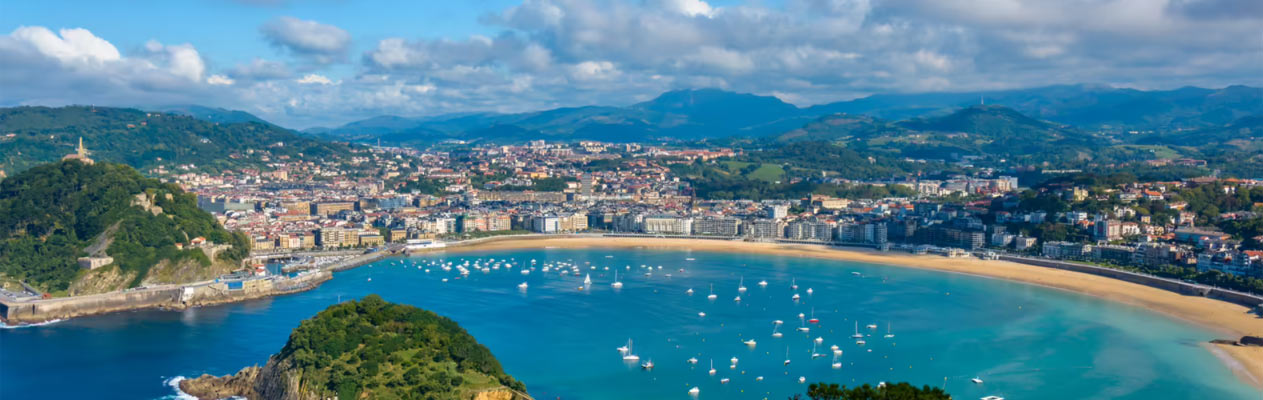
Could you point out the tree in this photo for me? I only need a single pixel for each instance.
(896, 391)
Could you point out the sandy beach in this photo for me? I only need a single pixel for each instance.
(1230, 320)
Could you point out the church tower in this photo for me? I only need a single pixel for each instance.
(81, 153)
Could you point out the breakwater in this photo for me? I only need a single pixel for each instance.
(166, 297)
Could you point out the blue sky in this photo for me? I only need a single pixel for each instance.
(303, 63)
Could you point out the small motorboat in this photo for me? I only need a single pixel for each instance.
(694, 391)
(976, 380)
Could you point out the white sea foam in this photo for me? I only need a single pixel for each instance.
(174, 383)
(49, 322)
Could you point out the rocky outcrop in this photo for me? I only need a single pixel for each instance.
(1255, 341)
(276, 380)
(500, 394)
(1251, 341)
(221, 387)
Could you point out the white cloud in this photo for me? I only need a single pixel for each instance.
(593, 70)
(550, 53)
(319, 42)
(220, 80)
(76, 45)
(692, 8)
(314, 79)
(181, 60)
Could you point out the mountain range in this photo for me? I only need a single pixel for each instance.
(712, 113)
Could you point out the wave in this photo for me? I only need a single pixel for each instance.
(174, 383)
(49, 322)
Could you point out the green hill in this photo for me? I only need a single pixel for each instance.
(52, 214)
(843, 127)
(977, 131)
(370, 349)
(34, 135)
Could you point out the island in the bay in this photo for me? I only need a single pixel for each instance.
(370, 349)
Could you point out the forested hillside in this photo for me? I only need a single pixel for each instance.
(33, 135)
(54, 213)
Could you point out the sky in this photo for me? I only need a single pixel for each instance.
(305, 63)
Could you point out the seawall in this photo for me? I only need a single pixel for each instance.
(167, 297)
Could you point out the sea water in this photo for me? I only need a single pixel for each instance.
(1023, 341)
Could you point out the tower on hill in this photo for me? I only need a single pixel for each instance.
(81, 153)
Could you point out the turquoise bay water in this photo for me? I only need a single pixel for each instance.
(1025, 342)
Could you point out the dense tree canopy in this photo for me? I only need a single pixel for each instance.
(390, 351)
(50, 213)
(895, 391)
(143, 139)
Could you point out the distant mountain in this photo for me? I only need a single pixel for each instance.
(684, 114)
(1085, 106)
(713, 113)
(55, 213)
(394, 351)
(33, 135)
(212, 114)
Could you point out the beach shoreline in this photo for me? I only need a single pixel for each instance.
(1225, 318)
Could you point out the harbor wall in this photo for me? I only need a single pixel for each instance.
(173, 298)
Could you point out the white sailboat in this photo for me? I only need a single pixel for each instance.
(712, 367)
(712, 295)
(741, 285)
(587, 279)
(857, 334)
(888, 334)
(616, 284)
(793, 284)
(630, 356)
(786, 355)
